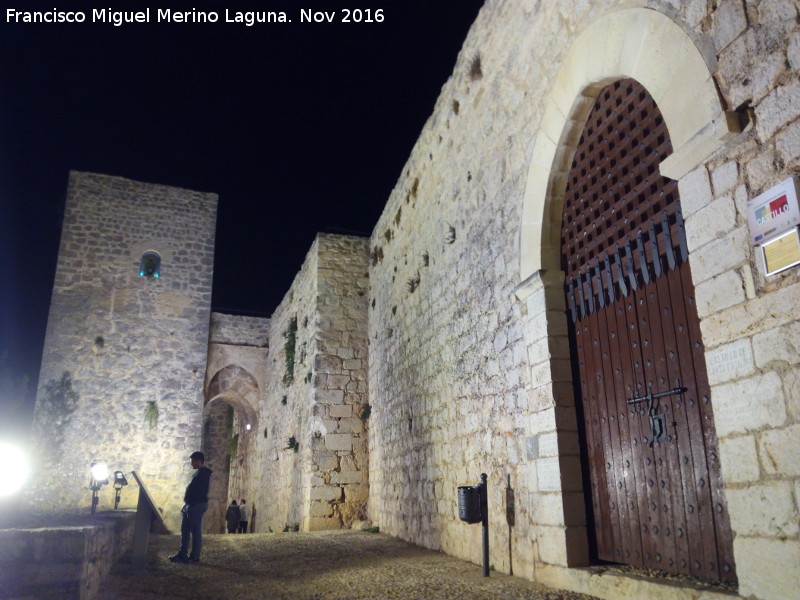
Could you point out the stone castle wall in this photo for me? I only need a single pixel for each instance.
(320, 483)
(469, 365)
(117, 343)
(449, 322)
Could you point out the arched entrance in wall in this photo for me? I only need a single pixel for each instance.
(230, 424)
(650, 454)
(647, 46)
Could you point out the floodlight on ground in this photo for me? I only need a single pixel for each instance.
(14, 469)
(119, 481)
(99, 477)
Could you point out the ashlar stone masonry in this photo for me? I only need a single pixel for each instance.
(401, 367)
(125, 355)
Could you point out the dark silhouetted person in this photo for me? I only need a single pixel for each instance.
(232, 517)
(195, 504)
(244, 516)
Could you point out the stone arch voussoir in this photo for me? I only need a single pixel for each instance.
(237, 387)
(642, 44)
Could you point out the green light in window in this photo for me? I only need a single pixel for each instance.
(150, 265)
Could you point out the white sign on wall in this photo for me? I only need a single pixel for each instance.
(774, 212)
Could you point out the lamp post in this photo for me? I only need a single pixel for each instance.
(119, 481)
(99, 477)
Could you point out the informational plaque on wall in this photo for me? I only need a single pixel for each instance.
(782, 252)
(773, 218)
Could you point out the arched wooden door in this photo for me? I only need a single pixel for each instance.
(650, 451)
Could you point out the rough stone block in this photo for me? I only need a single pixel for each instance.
(329, 396)
(779, 344)
(778, 109)
(791, 387)
(712, 221)
(352, 425)
(779, 450)
(347, 477)
(769, 569)
(720, 255)
(320, 509)
(326, 493)
(719, 293)
(695, 191)
(340, 410)
(339, 441)
(321, 523)
(725, 177)
(763, 510)
(739, 459)
(729, 21)
(563, 546)
(749, 405)
(731, 361)
(548, 444)
(548, 473)
(759, 314)
(787, 142)
(356, 493)
(547, 509)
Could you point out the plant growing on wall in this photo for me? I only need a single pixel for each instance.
(55, 411)
(413, 283)
(366, 411)
(450, 236)
(289, 346)
(151, 414)
(233, 446)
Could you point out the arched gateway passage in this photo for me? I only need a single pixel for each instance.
(649, 449)
(229, 425)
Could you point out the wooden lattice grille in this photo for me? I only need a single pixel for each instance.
(647, 424)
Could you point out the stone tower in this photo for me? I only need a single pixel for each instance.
(127, 340)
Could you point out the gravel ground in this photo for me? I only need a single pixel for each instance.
(335, 565)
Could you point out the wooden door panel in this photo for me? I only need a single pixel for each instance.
(655, 492)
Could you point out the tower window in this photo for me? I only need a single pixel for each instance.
(150, 266)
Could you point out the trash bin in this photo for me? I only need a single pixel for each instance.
(469, 503)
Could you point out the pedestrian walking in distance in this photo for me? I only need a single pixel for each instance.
(232, 517)
(244, 516)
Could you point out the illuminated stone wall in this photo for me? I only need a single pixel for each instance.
(318, 400)
(469, 366)
(120, 348)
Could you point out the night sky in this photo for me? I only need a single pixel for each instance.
(299, 127)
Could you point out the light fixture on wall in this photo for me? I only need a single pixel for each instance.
(119, 482)
(99, 477)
